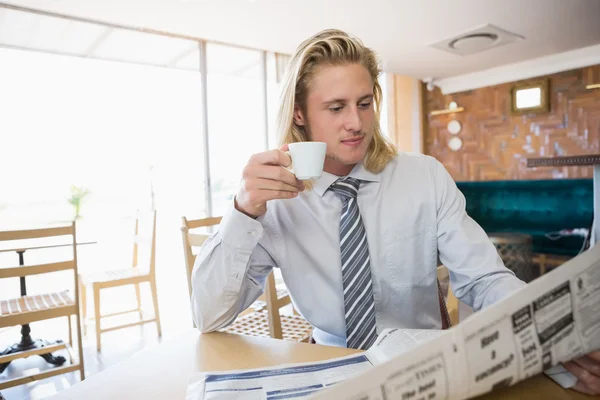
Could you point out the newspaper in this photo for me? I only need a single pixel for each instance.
(553, 319)
(299, 380)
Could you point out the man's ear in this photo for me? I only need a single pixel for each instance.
(298, 116)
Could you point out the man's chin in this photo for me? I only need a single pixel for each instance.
(348, 159)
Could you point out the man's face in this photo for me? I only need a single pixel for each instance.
(340, 112)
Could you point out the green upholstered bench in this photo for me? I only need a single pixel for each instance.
(540, 208)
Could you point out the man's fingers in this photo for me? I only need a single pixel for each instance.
(281, 174)
(271, 157)
(269, 184)
(595, 355)
(263, 196)
(590, 382)
(272, 172)
(589, 364)
(580, 387)
(265, 178)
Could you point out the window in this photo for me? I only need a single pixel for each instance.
(121, 131)
(130, 133)
(383, 117)
(236, 117)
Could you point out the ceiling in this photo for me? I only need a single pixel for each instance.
(401, 31)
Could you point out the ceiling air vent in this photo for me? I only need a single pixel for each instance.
(477, 40)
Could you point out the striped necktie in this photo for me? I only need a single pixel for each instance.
(359, 306)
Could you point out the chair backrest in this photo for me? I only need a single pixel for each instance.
(450, 303)
(141, 239)
(192, 239)
(26, 242)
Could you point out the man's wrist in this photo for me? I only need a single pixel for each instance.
(240, 209)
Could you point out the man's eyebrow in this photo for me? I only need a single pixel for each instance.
(340, 100)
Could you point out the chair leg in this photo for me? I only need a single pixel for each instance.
(97, 315)
(70, 331)
(155, 301)
(83, 295)
(139, 299)
(80, 348)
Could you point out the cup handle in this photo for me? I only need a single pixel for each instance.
(290, 168)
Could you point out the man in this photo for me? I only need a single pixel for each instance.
(358, 247)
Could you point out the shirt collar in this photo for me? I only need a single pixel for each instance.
(321, 185)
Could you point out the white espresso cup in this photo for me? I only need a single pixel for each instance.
(308, 159)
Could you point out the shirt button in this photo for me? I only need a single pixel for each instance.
(253, 233)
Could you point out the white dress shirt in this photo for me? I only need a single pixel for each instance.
(411, 210)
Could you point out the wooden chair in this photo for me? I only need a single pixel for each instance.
(264, 317)
(451, 302)
(133, 275)
(191, 240)
(31, 308)
(196, 240)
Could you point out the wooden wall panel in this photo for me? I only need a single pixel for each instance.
(497, 144)
(404, 118)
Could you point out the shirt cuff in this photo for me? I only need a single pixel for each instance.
(240, 234)
(239, 231)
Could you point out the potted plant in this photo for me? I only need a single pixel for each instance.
(78, 194)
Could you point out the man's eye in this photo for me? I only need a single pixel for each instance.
(336, 109)
(365, 105)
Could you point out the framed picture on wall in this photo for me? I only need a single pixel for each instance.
(531, 97)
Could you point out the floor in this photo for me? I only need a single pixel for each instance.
(116, 347)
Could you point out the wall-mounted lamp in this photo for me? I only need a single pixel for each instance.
(532, 97)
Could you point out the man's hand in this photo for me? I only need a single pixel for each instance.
(265, 178)
(587, 371)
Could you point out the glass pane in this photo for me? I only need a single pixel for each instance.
(24, 30)
(236, 117)
(272, 99)
(40, 32)
(276, 68)
(139, 47)
(114, 128)
(383, 118)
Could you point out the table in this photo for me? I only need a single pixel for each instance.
(577, 160)
(26, 342)
(162, 372)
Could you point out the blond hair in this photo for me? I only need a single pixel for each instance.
(330, 47)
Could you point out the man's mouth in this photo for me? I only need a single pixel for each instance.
(353, 141)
